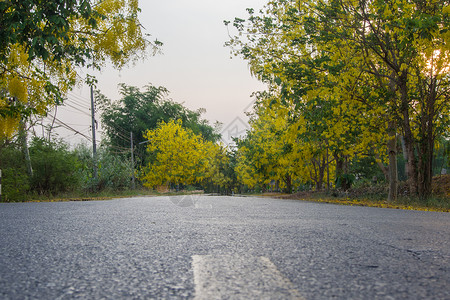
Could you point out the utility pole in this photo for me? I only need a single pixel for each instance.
(328, 170)
(133, 179)
(94, 145)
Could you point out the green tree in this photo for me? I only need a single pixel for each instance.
(382, 64)
(403, 45)
(138, 111)
(55, 167)
(44, 44)
(15, 181)
(114, 170)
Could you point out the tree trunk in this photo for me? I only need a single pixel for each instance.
(24, 143)
(315, 177)
(425, 175)
(409, 138)
(382, 167)
(319, 165)
(405, 156)
(339, 165)
(288, 182)
(426, 149)
(392, 148)
(328, 170)
(322, 166)
(342, 178)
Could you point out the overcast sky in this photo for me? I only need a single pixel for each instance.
(195, 66)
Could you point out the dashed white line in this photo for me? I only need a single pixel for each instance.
(239, 277)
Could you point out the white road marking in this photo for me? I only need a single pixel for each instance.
(239, 277)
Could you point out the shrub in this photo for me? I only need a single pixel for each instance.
(345, 181)
(54, 167)
(113, 171)
(15, 181)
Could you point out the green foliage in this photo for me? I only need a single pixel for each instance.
(345, 181)
(15, 182)
(222, 178)
(138, 111)
(441, 160)
(44, 44)
(114, 172)
(21, 22)
(352, 75)
(364, 168)
(54, 167)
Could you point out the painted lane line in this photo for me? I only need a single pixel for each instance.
(239, 277)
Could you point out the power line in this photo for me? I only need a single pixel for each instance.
(122, 136)
(120, 148)
(118, 132)
(58, 121)
(77, 104)
(50, 119)
(120, 129)
(67, 109)
(85, 131)
(76, 108)
(79, 100)
(70, 124)
(82, 100)
(120, 152)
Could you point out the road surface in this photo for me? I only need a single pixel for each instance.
(207, 247)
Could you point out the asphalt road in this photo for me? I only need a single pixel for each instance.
(221, 248)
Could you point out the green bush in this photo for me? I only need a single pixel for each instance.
(15, 181)
(54, 167)
(345, 181)
(113, 171)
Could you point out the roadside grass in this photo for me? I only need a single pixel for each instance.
(439, 202)
(433, 204)
(376, 196)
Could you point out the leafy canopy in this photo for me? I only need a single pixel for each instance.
(358, 72)
(43, 44)
(140, 110)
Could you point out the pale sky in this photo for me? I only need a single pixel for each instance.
(195, 66)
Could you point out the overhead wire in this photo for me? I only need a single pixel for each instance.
(123, 136)
(70, 124)
(119, 148)
(85, 131)
(120, 129)
(79, 99)
(75, 104)
(76, 108)
(119, 132)
(58, 121)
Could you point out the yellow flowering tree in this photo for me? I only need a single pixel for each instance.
(177, 156)
(382, 67)
(306, 81)
(219, 176)
(43, 45)
(280, 147)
